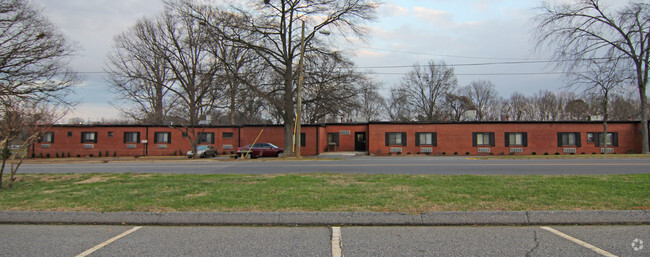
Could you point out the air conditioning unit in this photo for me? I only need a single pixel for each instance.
(569, 150)
(483, 149)
(516, 150)
(426, 149)
(395, 149)
(609, 150)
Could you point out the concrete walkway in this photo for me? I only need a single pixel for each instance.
(519, 218)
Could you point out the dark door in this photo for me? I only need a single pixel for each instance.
(360, 141)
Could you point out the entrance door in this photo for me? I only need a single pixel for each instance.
(360, 141)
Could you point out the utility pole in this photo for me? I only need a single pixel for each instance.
(299, 92)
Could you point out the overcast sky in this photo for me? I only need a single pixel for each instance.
(407, 32)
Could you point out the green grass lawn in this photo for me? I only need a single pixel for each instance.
(323, 192)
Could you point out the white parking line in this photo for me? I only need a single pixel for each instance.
(336, 242)
(580, 242)
(109, 241)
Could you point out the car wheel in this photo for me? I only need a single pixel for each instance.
(279, 154)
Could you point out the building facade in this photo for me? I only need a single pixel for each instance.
(376, 138)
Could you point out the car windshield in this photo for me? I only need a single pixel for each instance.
(201, 147)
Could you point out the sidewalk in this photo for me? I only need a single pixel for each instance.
(518, 218)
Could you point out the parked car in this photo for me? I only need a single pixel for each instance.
(203, 151)
(260, 150)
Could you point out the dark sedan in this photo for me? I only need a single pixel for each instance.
(260, 150)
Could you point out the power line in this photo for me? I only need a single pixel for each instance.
(456, 65)
(441, 55)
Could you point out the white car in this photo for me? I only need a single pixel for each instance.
(203, 151)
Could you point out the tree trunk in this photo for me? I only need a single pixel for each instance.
(644, 117)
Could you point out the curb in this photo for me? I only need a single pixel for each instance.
(494, 218)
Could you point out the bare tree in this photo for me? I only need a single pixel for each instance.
(577, 109)
(331, 87)
(170, 54)
(483, 96)
(371, 102)
(586, 30)
(139, 73)
(22, 124)
(603, 79)
(426, 87)
(520, 107)
(272, 28)
(34, 78)
(33, 54)
(457, 105)
(398, 107)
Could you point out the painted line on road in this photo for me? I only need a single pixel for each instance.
(337, 250)
(109, 241)
(579, 242)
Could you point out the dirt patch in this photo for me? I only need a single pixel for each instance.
(57, 178)
(94, 179)
(196, 195)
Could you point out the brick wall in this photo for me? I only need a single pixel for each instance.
(451, 139)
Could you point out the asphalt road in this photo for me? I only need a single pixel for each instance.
(52, 240)
(366, 165)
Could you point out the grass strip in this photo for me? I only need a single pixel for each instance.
(323, 193)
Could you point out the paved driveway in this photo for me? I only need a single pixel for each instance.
(368, 165)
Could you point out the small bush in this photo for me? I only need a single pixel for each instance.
(68, 154)
(466, 153)
(545, 153)
(115, 154)
(455, 153)
(534, 153)
(556, 153)
(40, 155)
(444, 153)
(47, 155)
(57, 155)
(106, 153)
(100, 153)
(91, 155)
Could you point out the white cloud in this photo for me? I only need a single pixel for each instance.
(392, 9)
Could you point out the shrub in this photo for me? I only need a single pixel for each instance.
(545, 153)
(115, 154)
(534, 153)
(100, 153)
(466, 153)
(444, 153)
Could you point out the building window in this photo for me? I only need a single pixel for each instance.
(483, 139)
(426, 138)
(516, 139)
(88, 137)
(227, 135)
(162, 137)
(131, 137)
(568, 139)
(110, 134)
(395, 138)
(69, 133)
(612, 139)
(590, 137)
(303, 138)
(333, 139)
(206, 137)
(48, 137)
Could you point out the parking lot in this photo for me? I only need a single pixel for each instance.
(90, 240)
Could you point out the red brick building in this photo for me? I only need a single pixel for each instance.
(377, 138)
